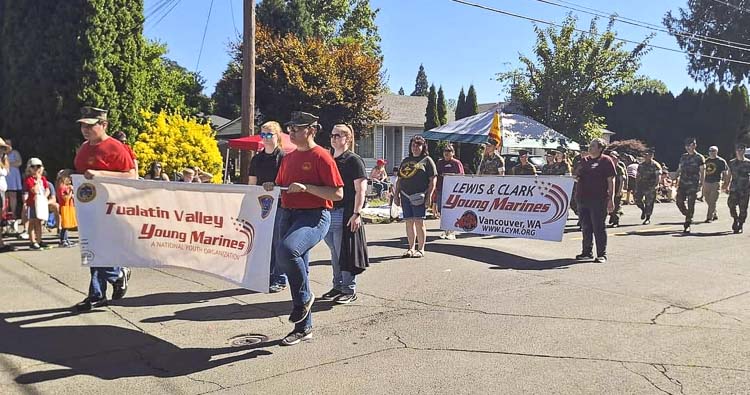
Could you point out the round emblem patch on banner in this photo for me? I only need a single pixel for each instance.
(86, 193)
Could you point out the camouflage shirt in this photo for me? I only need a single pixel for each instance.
(524, 170)
(648, 175)
(547, 169)
(621, 178)
(492, 164)
(740, 170)
(689, 170)
(560, 168)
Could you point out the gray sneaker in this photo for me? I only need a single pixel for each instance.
(299, 313)
(601, 259)
(346, 298)
(295, 337)
(121, 285)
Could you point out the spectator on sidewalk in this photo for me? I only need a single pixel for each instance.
(595, 196)
(102, 156)
(4, 170)
(15, 184)
(413, 192)
(155, 173)
(346, 235)
(35, 187)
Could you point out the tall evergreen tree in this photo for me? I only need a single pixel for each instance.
(421, 86)
(59, 55)
(401, 91)
(442, 107)
(431, 113)
(461, 105)
(472, 107)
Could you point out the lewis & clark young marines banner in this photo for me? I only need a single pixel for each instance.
(530, 207)
(225, 230)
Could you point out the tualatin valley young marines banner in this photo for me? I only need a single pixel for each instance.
(225, 230)
(530, 207)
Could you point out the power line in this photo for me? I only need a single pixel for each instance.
(174, 4)
(203, 40)
(744, 47)
(480, 6)
(654, 26)
(156, 8)
(736, 7)
(231, 9)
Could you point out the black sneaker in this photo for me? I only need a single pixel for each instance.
(88, 304)
(299, 313)
(346, 298)
(647, 220)
(643, 215)
(601, 259)
(584, 256)
(295, 337)
(686, 229)
(332, 294)
(121, 285)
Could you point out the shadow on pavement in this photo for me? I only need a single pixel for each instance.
(236, 311)
(499, 259)
(172, 298)
(677, 233)
(106, 352)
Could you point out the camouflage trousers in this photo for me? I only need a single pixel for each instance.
(740, 200)
(614, 217)
(685, 199)
(645, 199)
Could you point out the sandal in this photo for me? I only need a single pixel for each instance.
(408, 254)
(418, 254)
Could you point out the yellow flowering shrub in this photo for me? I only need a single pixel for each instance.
(177, 142)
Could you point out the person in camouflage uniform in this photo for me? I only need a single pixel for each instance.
(548, 167)
(621, 180)
(738, 186)
(561, 167)
(646, 183)
(524, 168)
(690, 174)
(492, 163)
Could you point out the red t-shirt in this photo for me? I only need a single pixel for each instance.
(28, 186)
(61, 190)
(592, 177)
(130, 151)
(110, 155)
(314, 167)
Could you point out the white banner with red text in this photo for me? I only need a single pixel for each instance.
(530, 207)
(224, 230)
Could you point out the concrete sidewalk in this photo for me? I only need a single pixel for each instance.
(668, 314)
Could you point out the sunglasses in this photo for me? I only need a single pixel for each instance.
(336, 136)
(35, 166)
(266, 135)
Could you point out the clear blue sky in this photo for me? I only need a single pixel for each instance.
(458, 45)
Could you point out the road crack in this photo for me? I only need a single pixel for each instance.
(645, 378)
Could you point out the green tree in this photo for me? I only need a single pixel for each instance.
(571, 74)
(331, 20)
(442, 107)
(461, 105)
(431, 112)
(401, 91)
(721, 21)
(471, 107)
(643, 84)
(59, 55)
(421, 86)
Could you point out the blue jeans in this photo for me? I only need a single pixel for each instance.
(100, 276)
(300, 231)
(277, 276)
(344, 281)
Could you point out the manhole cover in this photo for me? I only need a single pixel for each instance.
(246, 340)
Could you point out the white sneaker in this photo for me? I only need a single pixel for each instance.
(24, 235)
(451, 236)
(444, 235)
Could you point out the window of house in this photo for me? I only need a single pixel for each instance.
(365, 145)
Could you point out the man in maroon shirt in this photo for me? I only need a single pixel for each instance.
(102, 156)
(595, 197)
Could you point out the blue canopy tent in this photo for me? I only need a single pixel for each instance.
(519, 132)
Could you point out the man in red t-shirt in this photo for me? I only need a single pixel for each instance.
(313, 182)
(102, 156)
(595, 196)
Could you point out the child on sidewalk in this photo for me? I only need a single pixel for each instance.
(67, 207)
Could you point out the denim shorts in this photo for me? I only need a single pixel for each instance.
(412, 211)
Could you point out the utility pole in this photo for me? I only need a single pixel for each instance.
(248, 83)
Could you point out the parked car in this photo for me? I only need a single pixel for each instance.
(512, 159)
(747, 153)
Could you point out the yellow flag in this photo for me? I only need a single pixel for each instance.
(496, 130)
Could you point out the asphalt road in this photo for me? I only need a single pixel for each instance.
(668, 313)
